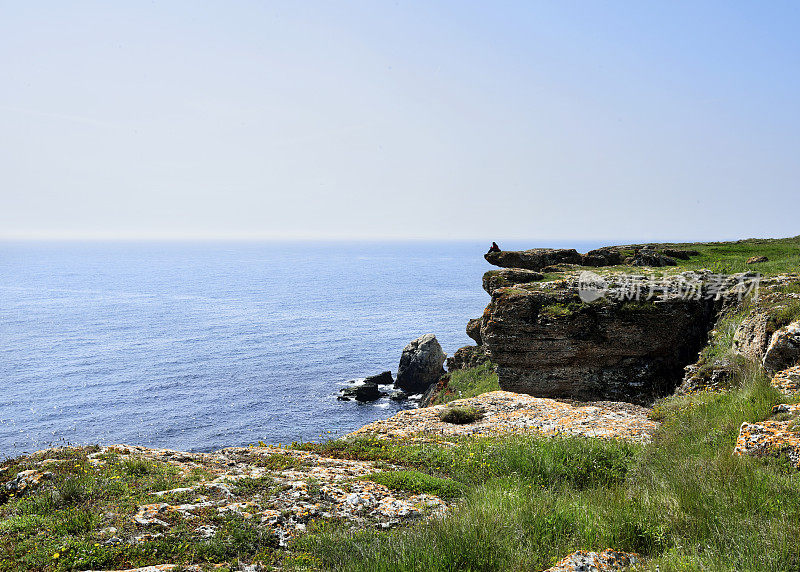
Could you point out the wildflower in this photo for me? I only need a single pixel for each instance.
(56, 555)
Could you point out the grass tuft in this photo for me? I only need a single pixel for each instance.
(460, 415)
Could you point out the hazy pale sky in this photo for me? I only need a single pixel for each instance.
(498, 120)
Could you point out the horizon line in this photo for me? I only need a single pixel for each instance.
(258, 237)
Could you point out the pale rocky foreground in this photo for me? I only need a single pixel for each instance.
(297, 487)
(507, 412)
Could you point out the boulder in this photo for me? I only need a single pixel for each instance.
(398, 395)
(773, 437)
(683, 254)
(466, 357)
(384, 378)
(474, 330)
(495, 279)
(606, 561)
(757, 259)
(646, 257)
(602, 257)
(361, 392)
(420, 364)
(784, 348)
(430, 393)
(533, 259)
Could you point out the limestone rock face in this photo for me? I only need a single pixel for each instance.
(548, 343)
(466, 357)
(474, 330)
(533, 259)
(495, 279)
(752, 336)
(757, 259)
(420, 364)
(784, 348)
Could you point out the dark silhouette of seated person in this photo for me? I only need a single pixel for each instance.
(494, 248)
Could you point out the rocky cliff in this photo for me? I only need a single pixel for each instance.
(546, 341)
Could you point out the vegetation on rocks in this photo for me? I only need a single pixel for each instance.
(463, 383)
(460, 415)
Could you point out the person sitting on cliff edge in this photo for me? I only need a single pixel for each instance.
(494, 248)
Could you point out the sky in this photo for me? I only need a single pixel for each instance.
(371, 120)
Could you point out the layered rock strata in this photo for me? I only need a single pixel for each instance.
(546, 341)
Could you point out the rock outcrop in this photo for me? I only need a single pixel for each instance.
(533, 259)
(420, 364)
(646, 257)
(384, 378)
(757, 260)
(507, 412)
(606, 561)
(784, 348)
(548, 259)
(474, 330)
(546, 342)
(774, 437)
(468, 356)
(752, 336)
(495, 279)
(363, 391)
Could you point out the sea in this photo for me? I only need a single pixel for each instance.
(197, 346)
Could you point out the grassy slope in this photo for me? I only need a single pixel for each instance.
(464, 383)
(684, 501)
(730, 257)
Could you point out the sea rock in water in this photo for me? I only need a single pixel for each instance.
(398, 395)
(420, 364)
(784, 348)
(384, 378)
(365, 391)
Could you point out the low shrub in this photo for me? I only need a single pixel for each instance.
(461, 415)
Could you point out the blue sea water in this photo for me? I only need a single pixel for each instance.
(197, 346)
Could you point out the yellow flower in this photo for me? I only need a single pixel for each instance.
(56, 555)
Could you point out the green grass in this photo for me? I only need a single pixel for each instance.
(684, 501)
(731, 257)
(784, 314)
(460, 415)
(470, 382)
(417, 482)
(56, 527)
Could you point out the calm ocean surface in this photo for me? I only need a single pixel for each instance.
(198, 346)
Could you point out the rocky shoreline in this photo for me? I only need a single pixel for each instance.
(567, 366)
